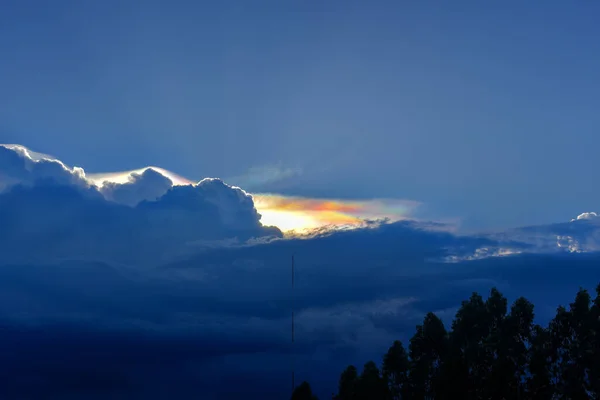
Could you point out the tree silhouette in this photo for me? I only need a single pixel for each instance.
(371, 385)
(303, 392)
(490, 353)
(426, 350)
(348, 384)
(515, 339)
(572, 335)
(539, 383)
(395, 371)
(594, 345)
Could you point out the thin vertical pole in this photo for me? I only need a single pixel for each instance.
(293, 372)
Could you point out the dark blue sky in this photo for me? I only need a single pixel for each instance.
(487, 112)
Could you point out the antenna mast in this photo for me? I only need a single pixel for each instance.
(293, 372)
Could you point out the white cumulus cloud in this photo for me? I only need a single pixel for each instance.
(20, 166)
(586, 216)
(148, 185)
(43, 201)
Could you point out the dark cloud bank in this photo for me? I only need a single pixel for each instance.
(143, 291)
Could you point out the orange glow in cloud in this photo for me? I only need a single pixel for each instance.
(296, 214)
(302, 214)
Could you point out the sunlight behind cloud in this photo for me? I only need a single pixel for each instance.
(287, 221)
(301, 214)
(293, 213)
(123, 177)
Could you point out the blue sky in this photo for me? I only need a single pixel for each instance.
(483, 112)
(459, 117)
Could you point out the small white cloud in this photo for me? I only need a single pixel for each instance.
(569, 244)
(483, 252)
(585, 216)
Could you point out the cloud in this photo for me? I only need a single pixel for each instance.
(142, 220)
(124, 289)
(301, 214)
(149, 185)
(211, 207)
(101, 178)
(579, 235)
(18, 165)
(34, 155)
(235, 206)
(66, 222)
(586, 215)
(189, 324)
(22, 166)
(258, 178)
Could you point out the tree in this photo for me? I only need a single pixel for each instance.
(465, 370)
(489, 354)
(395, 371)
(493, 367)
(303, 392)
(514, 354)
(576, 337)
(539, 384)
(348, 384)
(427, 349)
(594, 349)
(371, 385)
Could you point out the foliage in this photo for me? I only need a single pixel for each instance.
(303, 392)
(491, 352)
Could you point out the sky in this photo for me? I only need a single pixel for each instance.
(160, 163)
(483, 112)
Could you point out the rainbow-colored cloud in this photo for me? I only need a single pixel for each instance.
(292, 213)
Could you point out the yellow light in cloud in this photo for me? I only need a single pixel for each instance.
(287, 221)
(303, 214)
(291, 213)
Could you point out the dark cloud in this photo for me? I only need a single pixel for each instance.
(185, 328)
(66, 222)
(169, 298)
(210, 202)
(53, 209)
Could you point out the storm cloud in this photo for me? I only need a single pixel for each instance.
(128, 292)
